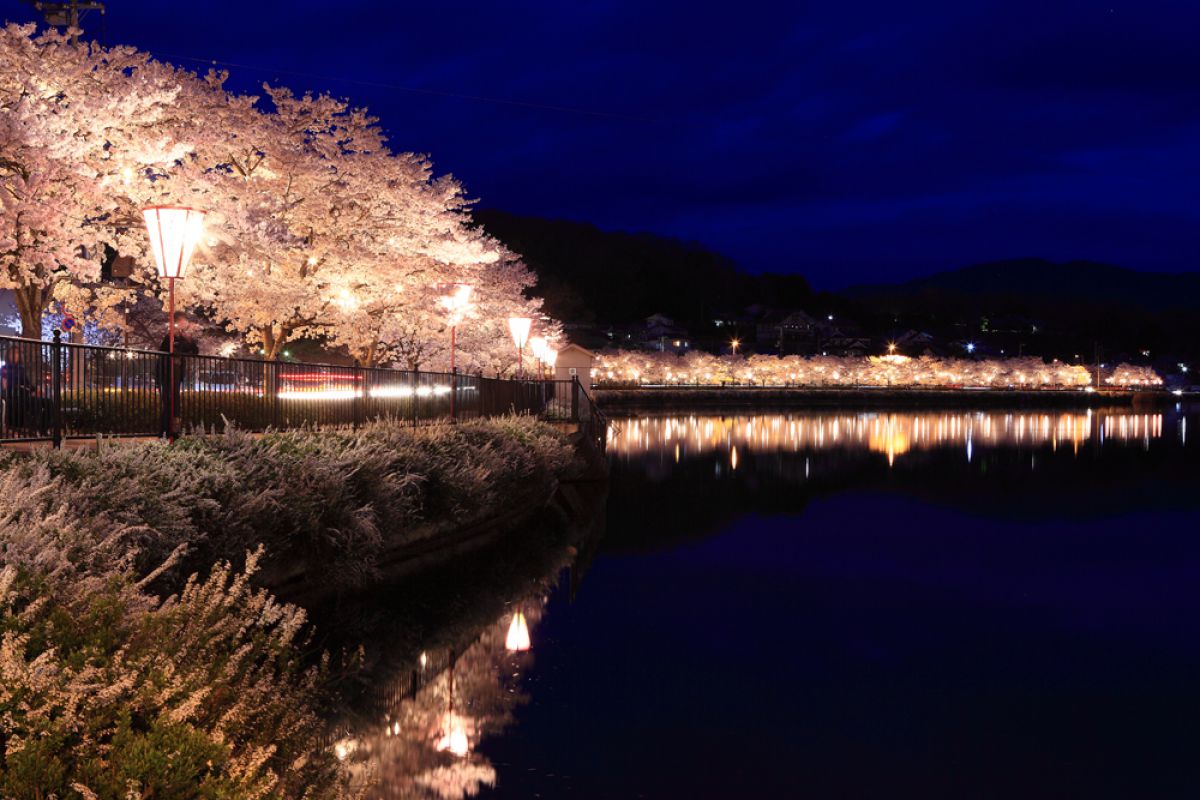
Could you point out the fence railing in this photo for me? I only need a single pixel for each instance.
(58, 390)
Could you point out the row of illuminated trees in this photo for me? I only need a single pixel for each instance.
(304, 221)
(697, 368)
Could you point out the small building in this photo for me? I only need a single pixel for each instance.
(575, 362)
(662, 334)
(786, 331)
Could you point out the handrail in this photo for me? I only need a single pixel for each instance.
(55, 390)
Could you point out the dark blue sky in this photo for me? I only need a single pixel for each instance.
(847, 141)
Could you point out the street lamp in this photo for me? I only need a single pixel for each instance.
(174, 233)
(456, 303)
(538, 347)
(519, 328)
(733, 345)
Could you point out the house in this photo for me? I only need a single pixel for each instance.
(575, 362)
(914, 342)
(662, 334)
(786, 331)
(842, 345)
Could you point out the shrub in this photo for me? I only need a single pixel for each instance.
(121, 675)
(107, 692)
(329, 500)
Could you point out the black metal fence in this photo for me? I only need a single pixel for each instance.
(58, 390)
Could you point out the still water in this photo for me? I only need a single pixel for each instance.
(835, 605)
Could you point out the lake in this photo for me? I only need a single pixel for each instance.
(953, 604)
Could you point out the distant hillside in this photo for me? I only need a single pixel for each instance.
(586, 274)
(1034, 284)
(1076, 306)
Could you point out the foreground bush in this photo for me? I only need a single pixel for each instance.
(109, 692)
(120, 677)
(330, 500)
(107, 695)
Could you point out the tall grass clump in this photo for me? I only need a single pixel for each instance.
(109, 691)
(329, 501)
(138, 658)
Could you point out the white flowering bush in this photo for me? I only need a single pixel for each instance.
(108, 692)
(327, 500)
(131, 666)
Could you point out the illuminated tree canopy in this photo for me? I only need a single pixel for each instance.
(315, 226)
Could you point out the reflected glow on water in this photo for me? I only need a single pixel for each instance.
(433, 718)
(890, 434)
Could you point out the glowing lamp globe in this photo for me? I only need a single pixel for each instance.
(174, 233)
(538, 345)
(459, 298)
(519, 327)
(517, 640)
(551, 357)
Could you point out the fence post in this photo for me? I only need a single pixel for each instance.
(272, 368)
(575, 398)
(360, 391)
(56, 388)
(415, 377)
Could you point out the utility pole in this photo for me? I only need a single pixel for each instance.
(67, 15)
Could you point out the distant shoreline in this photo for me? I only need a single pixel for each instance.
(766, 397)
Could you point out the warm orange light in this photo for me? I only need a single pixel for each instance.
(454, 738)
(517, 639)
(174, 233)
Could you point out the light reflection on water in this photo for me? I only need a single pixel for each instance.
(439, 722)
(433, 718)
(890, 434)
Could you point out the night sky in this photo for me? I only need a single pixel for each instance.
(847, 141)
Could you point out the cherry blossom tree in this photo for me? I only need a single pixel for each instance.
(314, 226)
(80, 122)
(625, 367)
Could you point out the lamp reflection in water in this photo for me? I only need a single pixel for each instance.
(891, 434)
(517, 639)
(419, 735)
(454, 734)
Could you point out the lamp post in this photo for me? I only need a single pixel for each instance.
(174, 232)
(456, 303)
(519, 328)
(538, 347)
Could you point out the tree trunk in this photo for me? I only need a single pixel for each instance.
(272, 342)
(31, 305)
